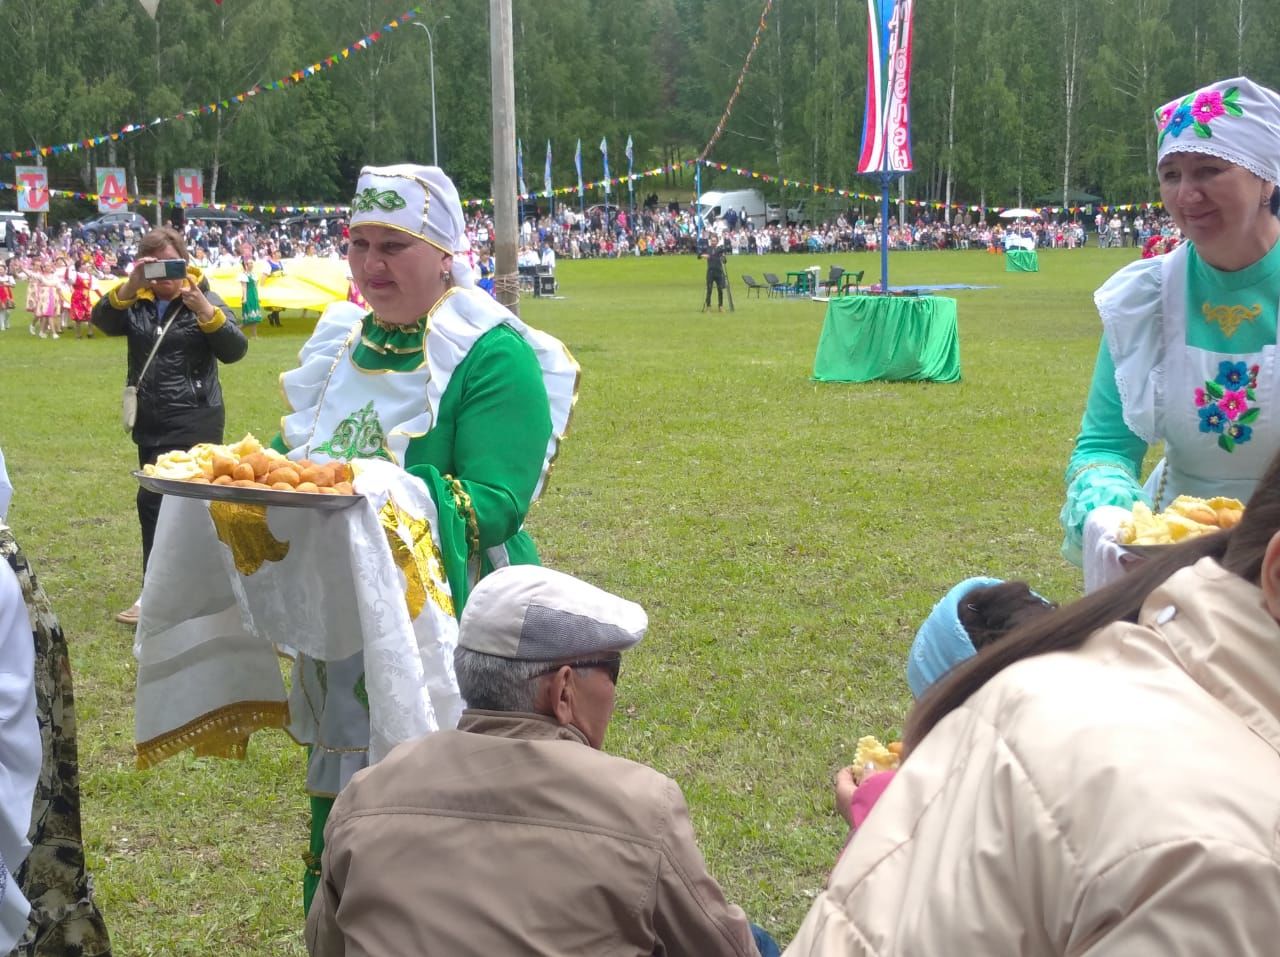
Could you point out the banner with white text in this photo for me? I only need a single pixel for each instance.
(886, 125)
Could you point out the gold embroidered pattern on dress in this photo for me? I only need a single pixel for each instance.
(1230, 317)
(221, 733)
(244, 530)
(420, 562)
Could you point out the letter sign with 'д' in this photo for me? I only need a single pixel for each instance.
(113, 195)
(33, 189)
(188, 187)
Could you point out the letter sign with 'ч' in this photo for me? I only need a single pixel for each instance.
(188, 187)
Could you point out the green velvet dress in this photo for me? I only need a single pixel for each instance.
(482, 447)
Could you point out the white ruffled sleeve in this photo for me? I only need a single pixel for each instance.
(304, 385)
(1131, 306)
(468, 316)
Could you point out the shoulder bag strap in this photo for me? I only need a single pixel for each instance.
(147, 365)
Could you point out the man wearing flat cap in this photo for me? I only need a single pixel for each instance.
(515, 833)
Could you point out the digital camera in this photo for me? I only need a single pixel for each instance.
(165, 269)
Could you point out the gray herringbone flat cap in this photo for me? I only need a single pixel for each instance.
(538, 614)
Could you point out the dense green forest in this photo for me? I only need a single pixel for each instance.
(1012, 100)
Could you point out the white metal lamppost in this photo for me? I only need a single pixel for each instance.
(431, 54)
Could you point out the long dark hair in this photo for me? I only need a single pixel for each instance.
(1239, 550)
(989, 612)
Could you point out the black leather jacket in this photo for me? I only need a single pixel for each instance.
(180, 398)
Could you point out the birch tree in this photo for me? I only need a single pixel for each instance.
(1128, 79)
(1072, 68)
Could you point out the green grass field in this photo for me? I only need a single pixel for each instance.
(786, 538)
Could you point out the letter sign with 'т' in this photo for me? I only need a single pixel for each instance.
(113, 195)
(33, 189)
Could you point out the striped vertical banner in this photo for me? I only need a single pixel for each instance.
(886, 126)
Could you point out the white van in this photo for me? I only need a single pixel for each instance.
(12, 223)
(716, 203)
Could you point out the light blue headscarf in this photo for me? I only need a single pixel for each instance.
(942, 643)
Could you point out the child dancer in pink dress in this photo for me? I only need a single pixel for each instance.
(48, 301)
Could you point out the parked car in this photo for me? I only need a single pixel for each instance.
(534, 209)
(797, 214)
(607, 213)
(108, 223)
(297, 220)
(234, 218)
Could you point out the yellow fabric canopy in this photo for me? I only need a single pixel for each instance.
(307, 283)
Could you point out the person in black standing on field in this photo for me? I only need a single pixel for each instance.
(178, 332)
(715, 274)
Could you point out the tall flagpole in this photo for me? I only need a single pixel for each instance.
(631, 187)
(502, 77)
(886, 180)
(546, 182)
(697, 203)
(886, 174)
(582, 203)
(520, 188)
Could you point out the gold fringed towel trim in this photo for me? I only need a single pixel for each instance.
(222, 733)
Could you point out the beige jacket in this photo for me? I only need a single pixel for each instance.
(512, 836)
(1119, 800)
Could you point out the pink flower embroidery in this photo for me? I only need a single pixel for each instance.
(1202, 398)
(1207, 106)
(1233, 404)
(1165, 115)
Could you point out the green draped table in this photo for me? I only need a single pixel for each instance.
(895, 338)
(1021, 260)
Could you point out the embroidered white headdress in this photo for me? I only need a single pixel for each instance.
(421, 201)
(1236, 120)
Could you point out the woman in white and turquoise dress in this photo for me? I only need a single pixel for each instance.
(1188, 356)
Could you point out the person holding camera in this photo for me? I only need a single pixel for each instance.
(715, 273)
(178, 332)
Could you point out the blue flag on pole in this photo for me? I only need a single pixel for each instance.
(546, 171)
(577, 164)
(520, 167)
(604, 150)
(886, 126)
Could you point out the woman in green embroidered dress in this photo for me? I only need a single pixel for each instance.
(1189, 347)
(440, 379)
(250, 307)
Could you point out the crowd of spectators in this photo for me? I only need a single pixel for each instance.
(212, 243)
(54, 262)
(604, 231)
